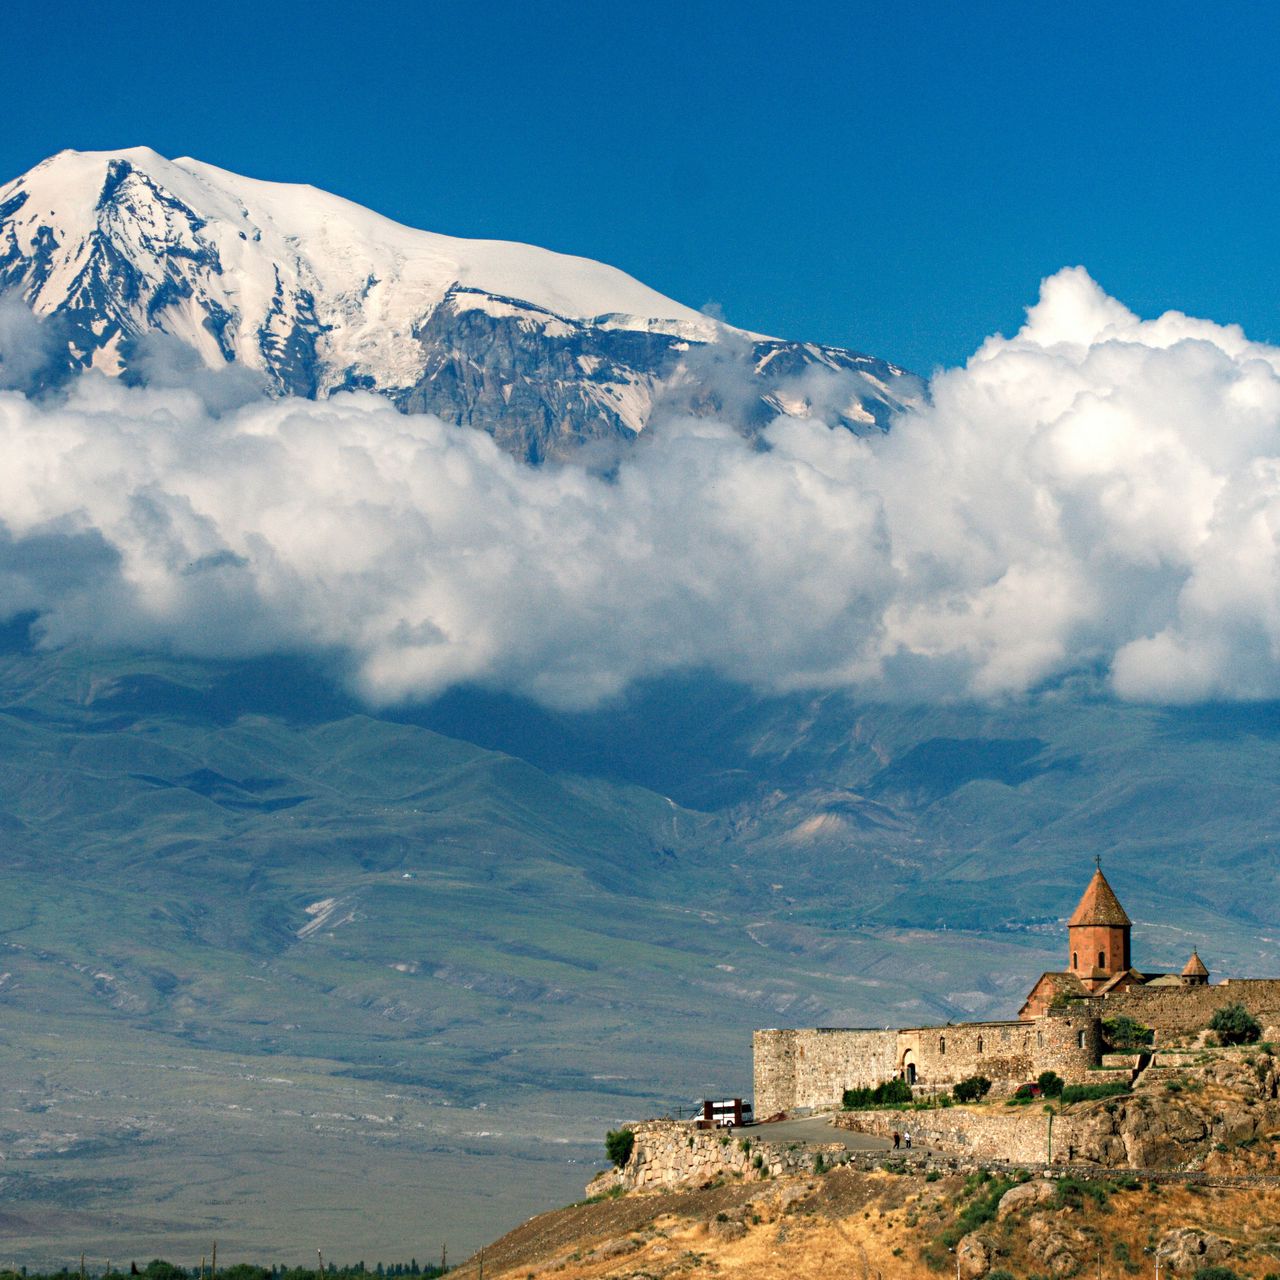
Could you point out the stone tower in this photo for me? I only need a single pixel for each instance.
(1099, 934)
(1195, 974)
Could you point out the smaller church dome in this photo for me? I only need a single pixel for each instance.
(1195, 969)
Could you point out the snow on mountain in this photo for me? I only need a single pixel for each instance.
(542, 349)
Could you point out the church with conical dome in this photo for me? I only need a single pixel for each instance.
(1099, 958)
(1067, 1024)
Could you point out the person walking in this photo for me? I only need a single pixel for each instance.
(906, 1140)
(897, 1139)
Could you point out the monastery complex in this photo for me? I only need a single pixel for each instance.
(1062, 1025)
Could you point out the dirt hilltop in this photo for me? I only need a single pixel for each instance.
(897, 1227)
(1206, 1129)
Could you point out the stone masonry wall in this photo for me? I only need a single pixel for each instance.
(1174, 1010)
(796, 1069)
(669, 1153)
(811, 1069)
(1007, 1053)
(1019, 1135)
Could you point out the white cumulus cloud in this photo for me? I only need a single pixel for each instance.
(1096, 494)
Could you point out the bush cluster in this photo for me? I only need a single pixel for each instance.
(1051, 1084)
(1092, 1092)
(618, 1145)
(1235, 1025)
(890, 1093)
(1124, 1032)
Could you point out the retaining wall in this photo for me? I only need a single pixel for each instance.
(671, 1153)
(1018, 1136)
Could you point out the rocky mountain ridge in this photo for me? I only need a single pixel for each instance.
(543, 350)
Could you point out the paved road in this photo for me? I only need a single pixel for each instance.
(815, 1129)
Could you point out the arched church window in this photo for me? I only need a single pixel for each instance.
(1102, 959)
(942, 1044)
(1080, 1038)
(979, 1044)
(1075, 960)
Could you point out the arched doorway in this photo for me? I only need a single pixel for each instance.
(909, 1067)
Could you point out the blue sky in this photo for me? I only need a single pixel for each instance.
(895, 178)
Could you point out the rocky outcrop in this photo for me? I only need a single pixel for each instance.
(1186, 1250)
(974, 1255)
(1024, 1196)
(1056, 1244)
(542, 384)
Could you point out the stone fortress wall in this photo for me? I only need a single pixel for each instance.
(1186, 1010)
(1005, 1052)
(810, 1069)
(804, 1069)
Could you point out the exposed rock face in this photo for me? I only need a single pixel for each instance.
(542, 384)
(1175, 1120)
(1024, 1196)
(1186, 1250)
(973, 1257)
(1060, 1247)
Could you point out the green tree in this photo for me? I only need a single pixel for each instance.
(159, 1269)
(972, 1088)
(1235, 1025)
(618, 1144)
(1124, 1032)
(1050, 1083)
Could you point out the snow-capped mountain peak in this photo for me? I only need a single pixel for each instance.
(319, 294)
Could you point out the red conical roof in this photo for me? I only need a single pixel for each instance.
(1195, 967)
(1100, 906)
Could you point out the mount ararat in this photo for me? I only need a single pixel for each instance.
(542, 350)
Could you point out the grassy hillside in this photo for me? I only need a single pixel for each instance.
(497, 931)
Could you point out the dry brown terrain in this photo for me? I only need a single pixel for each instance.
(896, 1227)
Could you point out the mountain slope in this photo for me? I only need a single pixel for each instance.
(317, 294)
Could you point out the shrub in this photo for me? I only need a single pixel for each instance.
(1124, 1032)
(1215, 1273)
(1000, 1275)
(618, 1144)
(972, 1088)
(1091, 1092)
(1235, 1025)
(1070, 1193)
(890, 1093)
(1050, 1083)
(980, 1210)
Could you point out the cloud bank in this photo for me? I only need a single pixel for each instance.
(1096, 494)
